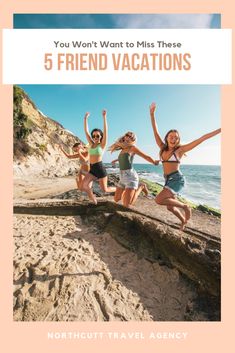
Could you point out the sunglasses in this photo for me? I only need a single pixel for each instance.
(96, 136)
(128, 135)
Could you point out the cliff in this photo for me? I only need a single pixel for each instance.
(35, 140)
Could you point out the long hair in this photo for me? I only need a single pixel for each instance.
(120, 143)
(165, 147)
(98, 130)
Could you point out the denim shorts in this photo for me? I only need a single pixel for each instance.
(128, 179)
(174, 182)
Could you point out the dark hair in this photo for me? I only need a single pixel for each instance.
(165, 146)
(100, 131)
(76, 144)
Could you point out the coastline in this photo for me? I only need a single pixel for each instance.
(155, 188)
(203, 182)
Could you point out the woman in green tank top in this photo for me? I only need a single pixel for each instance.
(97, 140)
(128, 188)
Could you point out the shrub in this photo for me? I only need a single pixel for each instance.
(20, 120)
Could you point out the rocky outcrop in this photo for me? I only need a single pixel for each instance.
(35, 141)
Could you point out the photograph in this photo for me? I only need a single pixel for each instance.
(116, 203)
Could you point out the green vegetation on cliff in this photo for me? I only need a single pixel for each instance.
(20, 120)
(21, 124)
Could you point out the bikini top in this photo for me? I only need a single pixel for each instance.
(84, 162)
(96, 151)
(172, 159)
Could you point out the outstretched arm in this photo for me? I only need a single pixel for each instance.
(158, 139)
(105, 130)
(143, 155)
(189, 146)
(70, 156)
(88, 136)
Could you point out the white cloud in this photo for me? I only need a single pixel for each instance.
(163, 21)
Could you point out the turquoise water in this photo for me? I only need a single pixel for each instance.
(203, 182)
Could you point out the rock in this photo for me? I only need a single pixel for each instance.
(148, 238)
(89, 275)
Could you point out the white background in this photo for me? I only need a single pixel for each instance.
(24, 50)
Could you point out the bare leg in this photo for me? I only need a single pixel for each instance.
(137, 192)
(103, 185)
(128, 197)
(118, 194)
(145, 189)
(79, 181)
(167, 198)
(86, 186)
(178, 214)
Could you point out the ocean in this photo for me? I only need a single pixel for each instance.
(203, 182)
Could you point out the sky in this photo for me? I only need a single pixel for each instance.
(191, 109)
(117, 21)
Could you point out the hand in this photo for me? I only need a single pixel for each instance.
(156, 162)
(86, 115)
(104, 113)
(152, 108)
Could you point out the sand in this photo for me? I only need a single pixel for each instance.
(67, 270)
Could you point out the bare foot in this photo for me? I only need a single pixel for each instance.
(187, 211)
(144, 189)
(94, 200)
(92, 197)
(183, 224)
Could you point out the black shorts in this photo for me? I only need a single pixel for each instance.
(98, 170)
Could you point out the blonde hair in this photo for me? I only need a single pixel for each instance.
(120, 143)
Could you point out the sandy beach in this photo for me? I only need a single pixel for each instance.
(66, 268)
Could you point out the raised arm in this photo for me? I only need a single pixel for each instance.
(105, 130)
(193, 144)
(158, 139)
(86, 129)
(149, 159)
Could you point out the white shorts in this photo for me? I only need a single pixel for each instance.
(128, 179)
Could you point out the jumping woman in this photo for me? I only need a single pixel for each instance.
(128, 188)
(171, 152)
(97, 141)
(80, 152)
